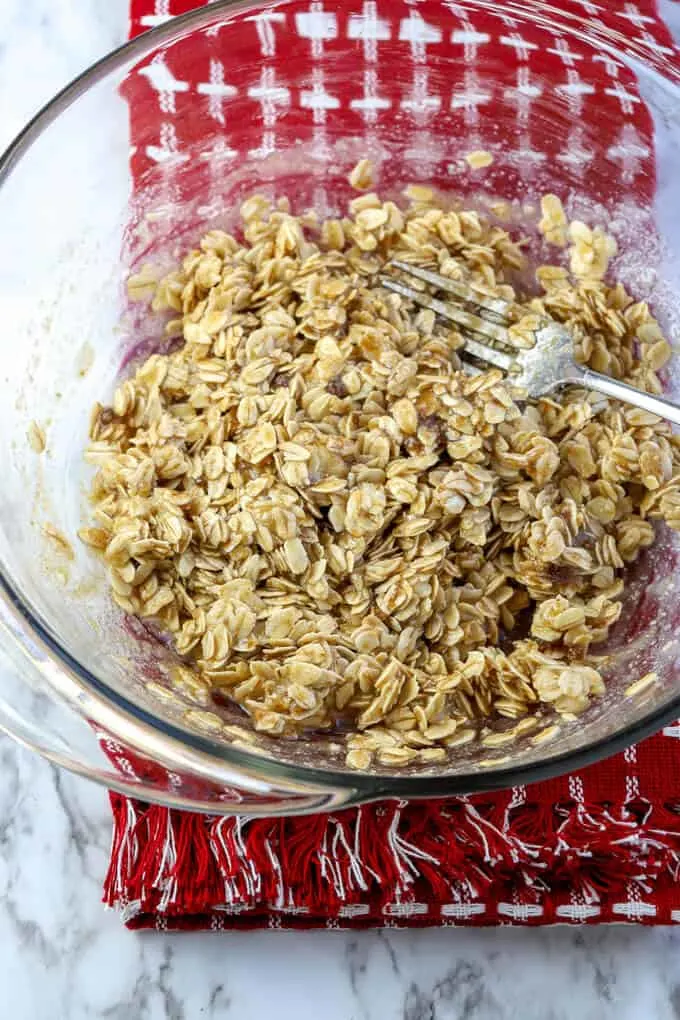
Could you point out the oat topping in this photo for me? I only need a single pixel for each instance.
(478, 159)
(37, 439)
(337, 524)
(361, 177)
(553, 222)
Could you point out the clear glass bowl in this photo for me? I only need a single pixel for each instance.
(290, 96)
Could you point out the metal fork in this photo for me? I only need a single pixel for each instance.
(545, 367)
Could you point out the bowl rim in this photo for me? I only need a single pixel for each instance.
(357, 787)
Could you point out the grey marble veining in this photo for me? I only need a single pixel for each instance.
(65, 958)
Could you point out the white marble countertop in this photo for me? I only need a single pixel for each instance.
(65, 958)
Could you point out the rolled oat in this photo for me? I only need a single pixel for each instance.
(336, 523)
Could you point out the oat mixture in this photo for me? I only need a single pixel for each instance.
(340, 527)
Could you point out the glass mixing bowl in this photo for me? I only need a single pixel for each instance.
(163, 138)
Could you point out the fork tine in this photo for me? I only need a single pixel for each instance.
(485, 353)
(466, 293)
(466, 320)
(470, 368)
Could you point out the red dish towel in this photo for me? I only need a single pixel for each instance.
(599, 845)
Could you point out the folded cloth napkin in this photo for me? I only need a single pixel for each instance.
(599, 845)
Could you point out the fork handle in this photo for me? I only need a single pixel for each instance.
(630, 395)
